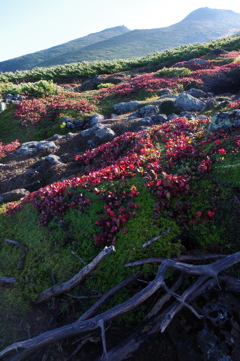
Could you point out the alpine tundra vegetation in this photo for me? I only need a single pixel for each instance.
(141, 167)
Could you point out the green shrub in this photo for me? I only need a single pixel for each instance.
(174, 72)
(105, 85)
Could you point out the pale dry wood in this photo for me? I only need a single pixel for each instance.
(157, 237)
(75, 280)
(208, 280)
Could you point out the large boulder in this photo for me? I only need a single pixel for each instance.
(225, 120)
(105, 135)
(13, 195)
(126, 107)
(185, 101)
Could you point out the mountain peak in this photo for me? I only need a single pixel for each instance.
(208, 14)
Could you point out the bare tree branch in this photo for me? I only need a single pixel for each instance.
(74, 281)
(24, 249)
(157, 237)
(22, 349)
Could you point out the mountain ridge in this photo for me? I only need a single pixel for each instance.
(199, 26)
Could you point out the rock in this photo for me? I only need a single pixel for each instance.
(54, 159)
(73, 123)
(197, 93)
(92, 131)
(122, 108)
(225, 120)
(94, 119)
(188, 115)
(185, 101)
(30, 148)
(2, 106)
(105, 134)
(159, 118)
(148, 111)
(90, 84)
(13, 195)
(164, 92)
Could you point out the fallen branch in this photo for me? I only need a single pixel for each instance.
(74, 281)
(10, 280)
(24, 249)
(183, 258)
(23, 349)
(157, 237)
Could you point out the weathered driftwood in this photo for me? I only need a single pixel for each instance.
(209, 278)
(24, 249)
(75, 280)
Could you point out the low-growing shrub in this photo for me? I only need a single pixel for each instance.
(174, 72)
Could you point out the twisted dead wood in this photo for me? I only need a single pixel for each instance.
(209, 278)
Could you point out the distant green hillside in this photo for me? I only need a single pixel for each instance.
(199, 26)
(38, 58)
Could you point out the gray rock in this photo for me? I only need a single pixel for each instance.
(225, 120)
(122, 108)
(45, 144)
(187, 102)
(54, 159)
(105, 134)
(188, 115)
(92, 131)
(148, 111)
(30, 148)
(13, 195)
(96, 118)
(159, 118)
(164, 92)
(197, 93)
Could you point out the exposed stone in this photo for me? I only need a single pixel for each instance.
(92, 131)
(148, 111)
(197, 93)
(30, 148)
(188, 115)
(73, 123)
(90, 84)
(94, 119)
(105, 134)
(13, 195)
(54, 159)
(164, 92)
(159, 118)
(217, 52)
(225, 120)
(126, 107)
(185, 101)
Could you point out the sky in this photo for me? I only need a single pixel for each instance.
(27, 26)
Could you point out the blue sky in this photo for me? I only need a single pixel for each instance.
(27, 26)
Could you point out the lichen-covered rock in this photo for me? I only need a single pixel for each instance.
(126, 107)
(187, 102)
(148, 111)
(197, 93)
(225, 120)
(13, 195)
(54, 159)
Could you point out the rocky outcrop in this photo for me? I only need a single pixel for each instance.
(31, 148)
(225, 120)
(185, 101)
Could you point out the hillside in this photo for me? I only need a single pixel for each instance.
(119, 43)
(146, 164)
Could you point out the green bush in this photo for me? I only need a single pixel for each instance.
(174, 72)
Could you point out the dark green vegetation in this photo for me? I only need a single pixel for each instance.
(176, 176)
(199, 26)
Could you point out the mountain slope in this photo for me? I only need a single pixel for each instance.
(200, 25)
(36, 59)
